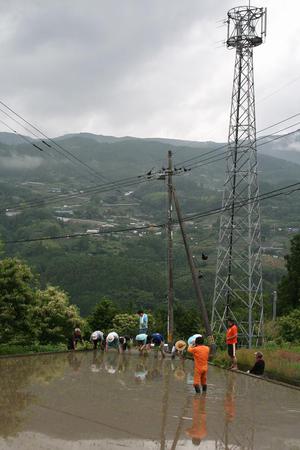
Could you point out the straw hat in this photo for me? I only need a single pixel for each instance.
(179, 373)
(180, 346)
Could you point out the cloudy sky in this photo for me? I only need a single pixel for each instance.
(148, 68)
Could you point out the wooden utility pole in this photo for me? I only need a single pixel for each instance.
(194, 273)
(170, 252)
(274, 305)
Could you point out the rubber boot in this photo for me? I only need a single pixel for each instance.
(197, 388)
(204, 387)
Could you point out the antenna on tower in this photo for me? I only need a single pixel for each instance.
(238, 284)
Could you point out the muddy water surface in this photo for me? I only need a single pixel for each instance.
(94, 401)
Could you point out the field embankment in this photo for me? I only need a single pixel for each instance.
(282, 364)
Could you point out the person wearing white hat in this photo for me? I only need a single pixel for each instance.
(97, 337)
(112, 341)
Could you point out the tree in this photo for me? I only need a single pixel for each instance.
(56, 318)
(289, 326)
(128, 324)
(103, 315)
(289, 287)
(17, 302)
(187, 321)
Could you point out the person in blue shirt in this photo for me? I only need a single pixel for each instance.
(143, 322)
(158, 342)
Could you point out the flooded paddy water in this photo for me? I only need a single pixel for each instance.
(109, 401)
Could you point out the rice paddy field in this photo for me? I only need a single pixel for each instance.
(91, 400)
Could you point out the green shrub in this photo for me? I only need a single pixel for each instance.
(289, 326)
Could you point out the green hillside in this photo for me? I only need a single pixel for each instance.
(44, 193)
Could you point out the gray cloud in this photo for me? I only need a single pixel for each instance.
(138, 67)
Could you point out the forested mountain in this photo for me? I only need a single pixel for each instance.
(47, 191)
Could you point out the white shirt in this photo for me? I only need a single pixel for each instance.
(97, 335)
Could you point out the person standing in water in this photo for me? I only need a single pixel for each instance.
(200, 353)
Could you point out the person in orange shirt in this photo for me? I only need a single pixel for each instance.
(231, 341)
(201, 355)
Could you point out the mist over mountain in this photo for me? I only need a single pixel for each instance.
(287, 148)
(129, 156)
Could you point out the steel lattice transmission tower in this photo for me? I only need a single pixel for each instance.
(238, 285)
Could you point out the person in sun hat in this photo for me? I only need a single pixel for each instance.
(178, 349)
(112, 341)
(259, 366)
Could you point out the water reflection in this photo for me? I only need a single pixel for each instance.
(17, 375)
(75, 360)
(97, 400)
(198, 430)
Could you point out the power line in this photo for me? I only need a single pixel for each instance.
(275, 138)
(279, 123)
(22, 137)
(128, 182)
(115, 184)
(261, 197)
(226, 145)
(265, 196)
(279, 137)
(64, 150)
(94, 190)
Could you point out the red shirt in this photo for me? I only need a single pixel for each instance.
(231, 335)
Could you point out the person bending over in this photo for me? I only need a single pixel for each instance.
(142, 340)
(112, 341)
(74, 339)
(124, 343)
(97, 338)
(158, 341)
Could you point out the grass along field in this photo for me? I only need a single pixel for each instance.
(282, 364)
